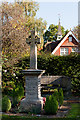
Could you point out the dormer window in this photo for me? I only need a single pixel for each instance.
(70, 39)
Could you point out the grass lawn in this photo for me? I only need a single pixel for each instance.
(34, 118)
(74, 111)
(74, 114)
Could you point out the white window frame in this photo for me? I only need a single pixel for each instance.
(70, 39)
(64, 51)
(74, 49)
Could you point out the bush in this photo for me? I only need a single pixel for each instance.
(18, 93)
(60, 94)
(54, 104)
(46, 108)
(56, 94)
(51, 105)
(6, 104)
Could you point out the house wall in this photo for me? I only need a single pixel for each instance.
(67, 44)
(57, 52)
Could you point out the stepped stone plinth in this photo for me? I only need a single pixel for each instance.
(33, 101)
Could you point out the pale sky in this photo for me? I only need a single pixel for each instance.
(49, 10)
(68, 13)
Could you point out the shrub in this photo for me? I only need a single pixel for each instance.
(54, 104)
(51, 105)
(60, 94)
(56, 94)
(11, 77)
(18, 93)
(47, 105)
(6, 104)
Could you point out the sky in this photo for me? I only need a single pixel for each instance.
(49, 10)
(68, 11)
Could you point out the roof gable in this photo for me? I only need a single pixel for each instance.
(64, 38)
(51, 46)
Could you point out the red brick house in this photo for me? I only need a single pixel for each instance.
(63, 45)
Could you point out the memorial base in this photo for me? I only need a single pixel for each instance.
(33, 101)
(31, 106)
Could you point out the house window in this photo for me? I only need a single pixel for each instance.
(70, 39)
(64, 51)
(74, 49)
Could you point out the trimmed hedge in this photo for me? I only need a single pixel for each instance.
(53, 65)
(58, 65)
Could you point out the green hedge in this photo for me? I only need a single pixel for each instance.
(58, 65)
(53, 65)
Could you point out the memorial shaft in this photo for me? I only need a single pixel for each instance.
(33, 56)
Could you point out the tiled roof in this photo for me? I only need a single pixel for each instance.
(51, 46)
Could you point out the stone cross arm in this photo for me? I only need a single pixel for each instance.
(33, 40)
(36, 40)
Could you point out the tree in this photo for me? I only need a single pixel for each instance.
(17, 21)
(40, 27)
(75, 31)
(14, 32)
(51, 33)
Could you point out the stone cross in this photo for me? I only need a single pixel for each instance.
(33, 101)
(33, 40)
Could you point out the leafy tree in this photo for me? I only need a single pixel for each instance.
(51, 33)
(14, 32)
(75, 31)
(17, 20)
(40, 27)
